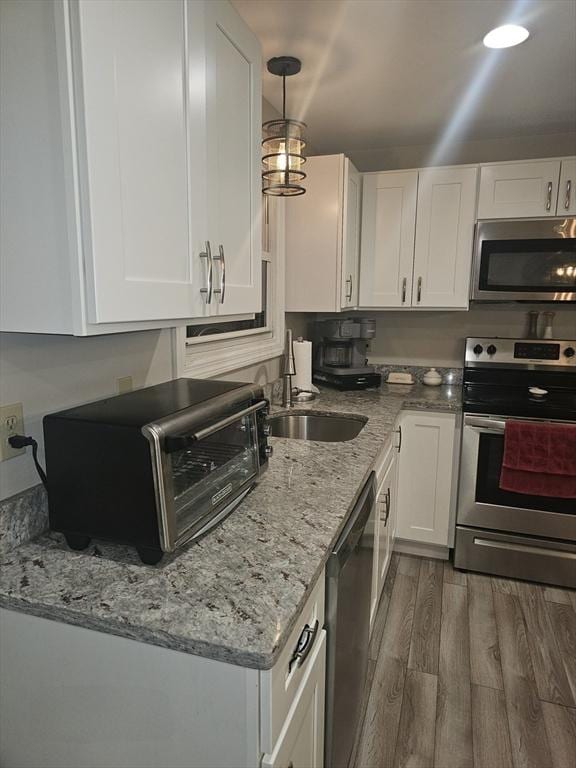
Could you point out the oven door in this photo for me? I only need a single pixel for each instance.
(531, 260)
(203, 474)
(481, 502)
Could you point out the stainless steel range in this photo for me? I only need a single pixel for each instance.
(498, 531)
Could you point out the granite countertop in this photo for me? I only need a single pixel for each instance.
(236, 594)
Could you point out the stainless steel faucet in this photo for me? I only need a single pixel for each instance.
(288, 370)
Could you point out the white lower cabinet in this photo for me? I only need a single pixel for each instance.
(301, 742)
(425, 471)
(384, 522)
(78, 698)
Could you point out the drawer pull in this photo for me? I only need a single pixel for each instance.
(304, 645)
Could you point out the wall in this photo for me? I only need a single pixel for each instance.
(487, 151)
(48, 373)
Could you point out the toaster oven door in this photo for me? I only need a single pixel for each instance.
(204, 474)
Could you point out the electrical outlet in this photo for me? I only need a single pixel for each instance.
(11, 423)
(124, 385)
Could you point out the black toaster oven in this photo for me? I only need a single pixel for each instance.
(157, 467)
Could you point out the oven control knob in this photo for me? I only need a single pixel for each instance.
(491, 349)
(267, 429)
(537, 391)
(569, 352)
(478, 349)
(268, 450)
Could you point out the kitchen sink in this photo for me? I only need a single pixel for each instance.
(316, 426)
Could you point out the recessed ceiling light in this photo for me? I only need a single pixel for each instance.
(506, 36)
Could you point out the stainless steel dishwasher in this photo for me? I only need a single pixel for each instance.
(348, 592)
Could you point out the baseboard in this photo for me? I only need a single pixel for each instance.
(407, 547)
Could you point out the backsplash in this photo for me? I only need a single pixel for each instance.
(23, 517)
(449, 375)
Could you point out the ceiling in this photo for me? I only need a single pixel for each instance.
(379, 73)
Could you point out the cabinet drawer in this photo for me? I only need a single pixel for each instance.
(301, 740)
(280, 685)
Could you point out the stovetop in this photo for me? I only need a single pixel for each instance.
(519, 377)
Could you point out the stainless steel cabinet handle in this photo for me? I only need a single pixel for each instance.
(386, 504)
(304, 645)
(207, 254)
(349, 293)
(404, 281)
(222, 259)
(549, 196)
(568, 194)
(419, 290)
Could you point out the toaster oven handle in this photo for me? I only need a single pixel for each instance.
(174, 443)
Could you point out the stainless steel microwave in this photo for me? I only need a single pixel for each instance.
(525, 260)
(157, 467)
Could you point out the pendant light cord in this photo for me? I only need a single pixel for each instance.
(283, 97)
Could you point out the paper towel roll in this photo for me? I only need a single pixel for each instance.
(303, 362)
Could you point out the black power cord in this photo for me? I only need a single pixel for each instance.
(21, 441)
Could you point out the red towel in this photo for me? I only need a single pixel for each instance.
(539, 459)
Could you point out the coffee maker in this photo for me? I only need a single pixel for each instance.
(340, 353)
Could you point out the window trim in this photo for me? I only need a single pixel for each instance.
(207, 357)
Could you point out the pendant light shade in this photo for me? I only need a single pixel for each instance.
(283, 143)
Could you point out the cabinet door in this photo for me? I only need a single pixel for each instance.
(301, 742)
(444, 235)
(518, 190)
(350, 236)
(130, 78)
(388, 227)
(567, 190)
(385, 501)
(425, 477)
(234, 130)
(314, 238)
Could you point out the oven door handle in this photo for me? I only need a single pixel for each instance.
(491, 425)
(174, 443)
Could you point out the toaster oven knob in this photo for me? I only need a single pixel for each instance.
(569, 352)
(268, 450)
(478, 349)
(491, 349)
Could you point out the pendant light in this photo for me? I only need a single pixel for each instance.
(283, 143)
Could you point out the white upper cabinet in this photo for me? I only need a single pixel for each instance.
(351, 236)
(129, 79)
(322, 238)
(417, 233)
(444, 235)
(139, 125)
(388, 227)
(567, 190)
(519, 190)
(234, 108)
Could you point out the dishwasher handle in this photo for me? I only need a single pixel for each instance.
(354, 528)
